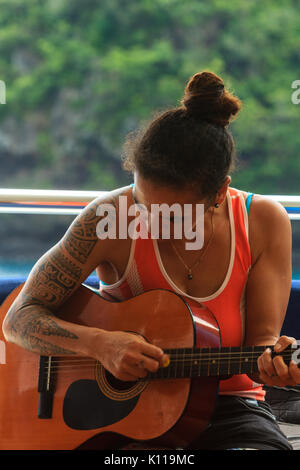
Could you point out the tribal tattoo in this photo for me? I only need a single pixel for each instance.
(52, 280)
(33, 321)
(81, 237)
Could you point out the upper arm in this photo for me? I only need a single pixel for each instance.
(269, 280)
(60, 271)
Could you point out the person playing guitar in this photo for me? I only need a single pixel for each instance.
(242, 272)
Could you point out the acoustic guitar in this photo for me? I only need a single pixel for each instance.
(68, 402)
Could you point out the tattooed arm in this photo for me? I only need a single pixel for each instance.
(30, 321)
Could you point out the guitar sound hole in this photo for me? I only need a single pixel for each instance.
(116, 389)
(117, 384)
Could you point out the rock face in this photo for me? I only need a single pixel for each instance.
(52, 151)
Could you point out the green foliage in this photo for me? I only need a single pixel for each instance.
(84, 74)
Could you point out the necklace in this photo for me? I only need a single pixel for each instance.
(190, 268)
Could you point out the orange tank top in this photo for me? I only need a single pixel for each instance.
(145, 271)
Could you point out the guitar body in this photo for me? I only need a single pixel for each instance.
(89, 405)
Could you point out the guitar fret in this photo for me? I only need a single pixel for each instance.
(196, 362)
(176, 362)
(191, 366)
(213, 366)
(183, 363)
(251, 370)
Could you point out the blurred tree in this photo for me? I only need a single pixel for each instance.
(80, 76)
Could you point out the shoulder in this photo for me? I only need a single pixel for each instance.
(268, 209)
(269, 225)
(96, 219)
(268, 214)
(106, 203)
(265, 210)
(110, 197)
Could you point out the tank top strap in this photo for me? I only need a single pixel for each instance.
(248, 202)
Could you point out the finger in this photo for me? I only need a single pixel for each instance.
(265, 363)
(283, 342)
(132, 373)
(271, 381)
(151, 365)
(284, 375)
(138, 372)
(128, 375)
(281, 368)
(148, 363)
(152, 351)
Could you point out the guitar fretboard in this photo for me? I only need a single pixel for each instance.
(206, 362)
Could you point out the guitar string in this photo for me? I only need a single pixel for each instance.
(178, 362)
(196, 351)
(187, 363)
(200, 355)
(190, 361)
(191, 367)
(92, 362)
(176, 359)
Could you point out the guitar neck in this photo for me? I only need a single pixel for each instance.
(209, 362)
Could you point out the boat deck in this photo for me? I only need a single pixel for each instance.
(292, 432)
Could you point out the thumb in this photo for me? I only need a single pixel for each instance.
(283, 342)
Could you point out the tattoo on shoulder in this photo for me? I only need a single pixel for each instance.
(81, 236)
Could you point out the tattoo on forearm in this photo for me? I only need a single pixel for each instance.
(43, 347)
(31, 322)
(28, 325)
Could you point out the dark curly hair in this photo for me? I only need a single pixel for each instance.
(190, 145)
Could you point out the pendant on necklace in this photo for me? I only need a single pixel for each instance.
(190, 276)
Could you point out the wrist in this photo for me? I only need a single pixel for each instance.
(96, 343)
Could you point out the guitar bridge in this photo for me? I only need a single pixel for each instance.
(45, 388)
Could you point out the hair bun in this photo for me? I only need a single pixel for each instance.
(206, 97)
